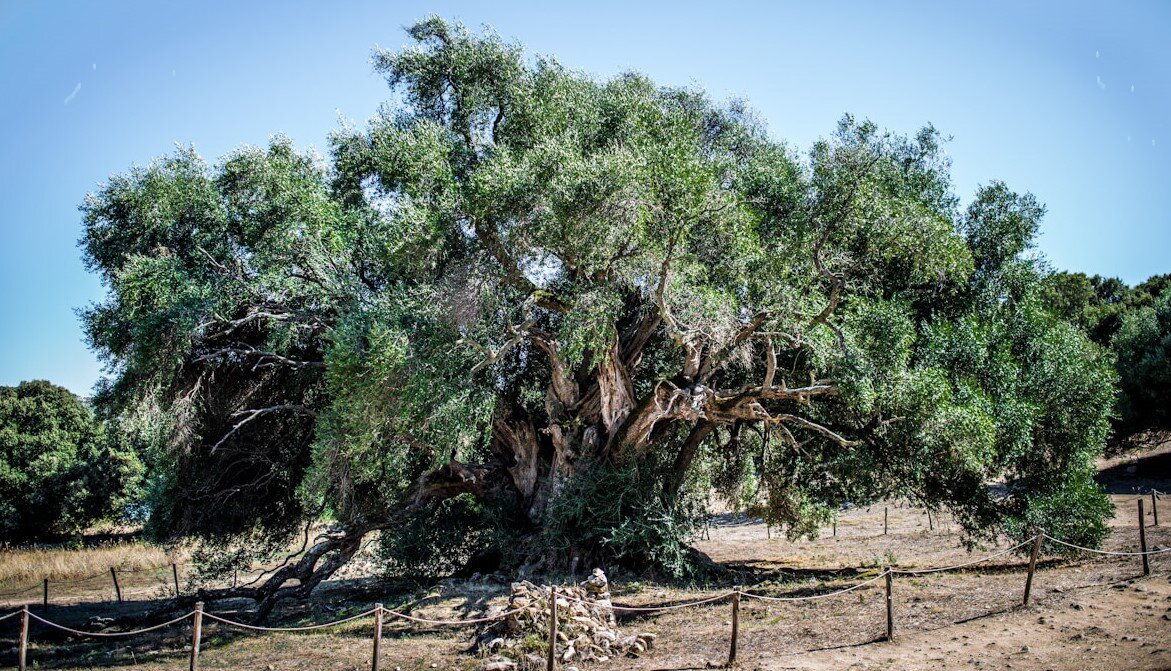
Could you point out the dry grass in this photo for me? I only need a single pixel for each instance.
(22, 566)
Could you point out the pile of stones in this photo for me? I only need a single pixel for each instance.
(585, 627)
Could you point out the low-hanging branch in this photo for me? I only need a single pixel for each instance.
(264, 358)
(250, 415)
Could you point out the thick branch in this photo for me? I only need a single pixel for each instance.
(639, 336)
(328, 553)
(562, 385)
(674, 480)
(515, 440)
(813, 426)
(771, 371)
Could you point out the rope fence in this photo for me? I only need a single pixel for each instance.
(956, 567)
(658, 609)
(764, 597)
(1111, 553)
(423, 620)
(933, 516)
(311, 627)
(379, 611)
(160, 581)
(100, 634)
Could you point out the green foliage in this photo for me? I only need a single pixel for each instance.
(1074, 511)
(1143, 344)
(733, 473)
(442, 537)
(1097, 304)
(1000, 225)
(617, 515)
(1128, 321)
(61, 469)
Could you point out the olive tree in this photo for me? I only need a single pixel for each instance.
(531, 315)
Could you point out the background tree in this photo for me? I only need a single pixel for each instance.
(549, 311)
(1143, 344)
(1126, 320)
(61, 470)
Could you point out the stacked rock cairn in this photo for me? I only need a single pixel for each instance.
(585, 626)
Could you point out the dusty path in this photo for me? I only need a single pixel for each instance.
(1125, 627)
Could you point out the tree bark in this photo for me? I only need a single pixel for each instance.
(674, 479)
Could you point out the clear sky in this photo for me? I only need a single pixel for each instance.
(1068, 100)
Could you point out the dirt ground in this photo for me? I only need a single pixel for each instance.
(1122, 627)
(1086, 613)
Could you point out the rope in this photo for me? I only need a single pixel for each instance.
(1143, 497)
(815, 596)
(959, 566)
(1107, 552)
(142, 569)
(12, 614)
(422, 620)
(74, 581)
(310, 627)
(19, 591)
(648, 609)
(106, 574)
(119, 634)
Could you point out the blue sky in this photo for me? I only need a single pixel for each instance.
(1068, 100)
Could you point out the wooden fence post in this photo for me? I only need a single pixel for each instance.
(22, 658)
(551, 659)
(117, 589)
(46, 594)
(1155, 506)
(1033, 565)
(890, 612)
(885, 514)
(377, 636)
(175, 575)
(835, 528)
(196, 634)
(735, 626)
(1142, 539)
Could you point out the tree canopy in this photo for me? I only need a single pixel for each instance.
(1132, 323)
(1143, 345)
(1098, 304)
(61, 469)
(527, 313)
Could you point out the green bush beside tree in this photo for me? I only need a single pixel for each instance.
(61, 469)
